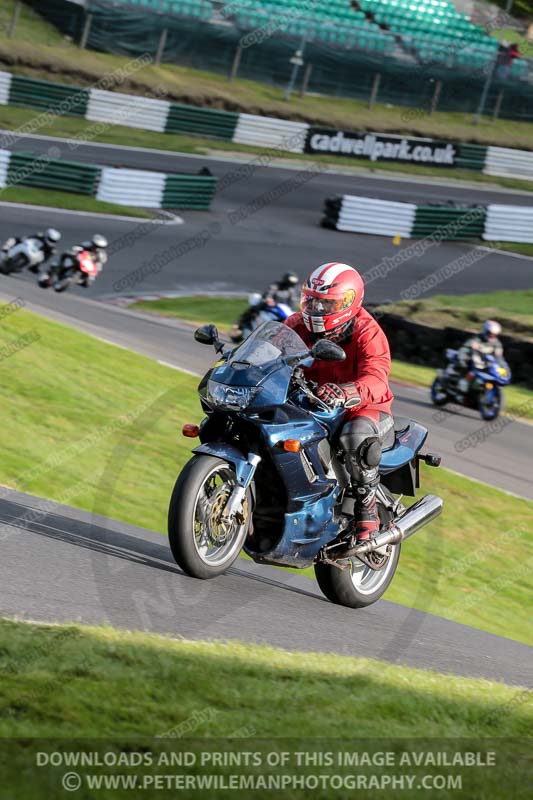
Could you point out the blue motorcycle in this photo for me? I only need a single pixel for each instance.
(269, 475)
(480, 389)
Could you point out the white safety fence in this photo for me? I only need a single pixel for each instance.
(5, 157)
(507, 163)
(271, 132)
(132, 187)
(127, 109)
(509, 224)
(382, 217)
(5, 86)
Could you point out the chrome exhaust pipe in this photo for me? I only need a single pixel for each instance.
(426, 510)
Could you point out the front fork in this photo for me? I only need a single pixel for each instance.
(245, 471)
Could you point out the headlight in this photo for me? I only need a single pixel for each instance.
(231, 397)
(502, 371)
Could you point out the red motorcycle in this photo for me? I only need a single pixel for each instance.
(78, 267)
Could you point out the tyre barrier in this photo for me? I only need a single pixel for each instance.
(129, 187)
(116, 108)
(447, 222)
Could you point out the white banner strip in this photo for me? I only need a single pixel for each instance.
(127, 109)
(132, 187)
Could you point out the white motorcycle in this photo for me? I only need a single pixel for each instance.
(28, 253)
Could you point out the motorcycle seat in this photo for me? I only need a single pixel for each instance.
(400, 425)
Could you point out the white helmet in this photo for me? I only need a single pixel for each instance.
(491, 329)
(52, 236)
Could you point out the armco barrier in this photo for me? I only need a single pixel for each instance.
(26, 169)
(127, 109)
(509, 163)
(56, 97)
(271, 132)
(132, 187)
(205, 121)
(509, 224)
(4, 165)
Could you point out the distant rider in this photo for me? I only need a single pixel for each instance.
(97, 247)
(472, 355)
(49, 240)
(331, 304)
(283, 291)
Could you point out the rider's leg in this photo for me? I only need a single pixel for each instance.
(362, 438)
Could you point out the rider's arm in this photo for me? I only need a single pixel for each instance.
(373, 364)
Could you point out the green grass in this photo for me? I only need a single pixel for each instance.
(113, 683)
(68, 200)
(222, 311)
(513, 309)
(121, 455)
(39, 50)
(517, 247)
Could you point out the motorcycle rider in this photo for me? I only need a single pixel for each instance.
(283, 291)
(49, 240)
(97, 247)
(472, 354)
(331, 307)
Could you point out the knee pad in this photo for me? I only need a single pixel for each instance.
(370, 453)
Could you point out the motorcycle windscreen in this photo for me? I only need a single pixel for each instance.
(263, 360)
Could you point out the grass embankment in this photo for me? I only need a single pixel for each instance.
(509, 307)
(39, 50)
(79, 681)
(93, 426)
(68, 200)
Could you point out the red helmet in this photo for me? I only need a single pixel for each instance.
(331, 298)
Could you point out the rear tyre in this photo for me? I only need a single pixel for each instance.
(359, 585)
(201, 543)
(439, 396)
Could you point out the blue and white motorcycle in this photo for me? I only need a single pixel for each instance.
(268, 476)
(258, 311)
(480, 389)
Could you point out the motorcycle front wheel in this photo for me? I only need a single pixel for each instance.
(490, 403)
(202, 543)
(439, 396)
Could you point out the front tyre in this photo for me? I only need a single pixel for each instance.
(439, 396)
(490, 403)
(202, 543)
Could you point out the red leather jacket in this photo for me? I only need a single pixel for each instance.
(367, 363)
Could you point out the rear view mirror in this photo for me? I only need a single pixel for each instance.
(207, 334)
(324, 350)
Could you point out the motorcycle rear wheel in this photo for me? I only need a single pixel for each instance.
(359, 585)
(203, 545)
